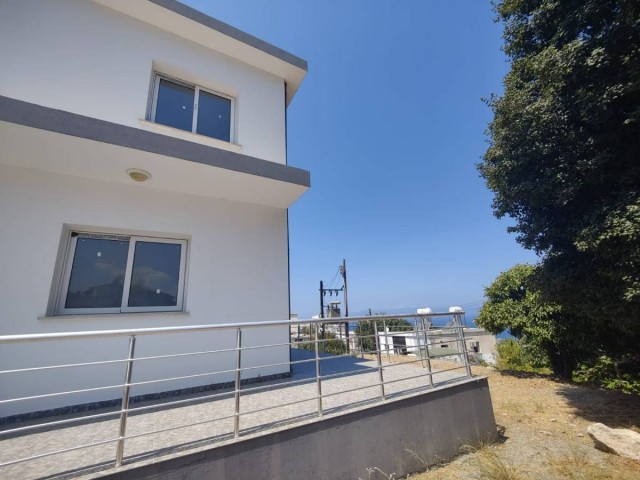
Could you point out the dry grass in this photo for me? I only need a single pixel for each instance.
(516, 410)
(422, 460)
(575, 464)
(375, 473)
(492, 467)
(542, 423)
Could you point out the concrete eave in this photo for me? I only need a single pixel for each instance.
(37, 137)
(186, 22)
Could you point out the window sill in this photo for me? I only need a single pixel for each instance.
(190, 136)
(113, 316)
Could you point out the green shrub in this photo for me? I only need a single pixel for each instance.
(622, 374)
(330, 344)
(519, 356)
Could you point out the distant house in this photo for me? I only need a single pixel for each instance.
(480, 344)
(143, 183)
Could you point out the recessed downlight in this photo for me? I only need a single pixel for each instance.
(138, 175)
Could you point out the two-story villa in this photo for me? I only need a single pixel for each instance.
(143, 183)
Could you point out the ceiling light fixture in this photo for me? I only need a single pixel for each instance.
(138, 175)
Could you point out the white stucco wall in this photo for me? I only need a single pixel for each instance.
(81, 57)
(236, 272)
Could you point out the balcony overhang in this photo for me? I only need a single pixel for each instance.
(33, 136)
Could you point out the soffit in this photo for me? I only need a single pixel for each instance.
(33, 136)
(193, 25)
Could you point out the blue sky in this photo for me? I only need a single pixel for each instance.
(390, 123)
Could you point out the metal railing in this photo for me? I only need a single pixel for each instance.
(365, 363)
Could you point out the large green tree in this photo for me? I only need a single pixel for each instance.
(564, 159)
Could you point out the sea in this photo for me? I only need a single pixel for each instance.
(468, 318)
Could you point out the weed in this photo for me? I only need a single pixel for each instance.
(575, 464)
(491, 466)
(376, 470)
(515, 410)
(421, 459)
(539, 407)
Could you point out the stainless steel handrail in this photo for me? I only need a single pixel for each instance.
(424, 334)
(36, 337)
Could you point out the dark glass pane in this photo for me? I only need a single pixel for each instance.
(97, 273)
(155, 276)
(174, 105)
(214, 116)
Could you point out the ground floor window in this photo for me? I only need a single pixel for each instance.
(113, 274)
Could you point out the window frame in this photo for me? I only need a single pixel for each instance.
(126, 291)
(196, 97)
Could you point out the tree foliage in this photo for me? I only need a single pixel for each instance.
(515, 304)
(564, 161)
(622, 374)
(366, 329)
(328, 344)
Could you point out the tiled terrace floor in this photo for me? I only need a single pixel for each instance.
(360, 387)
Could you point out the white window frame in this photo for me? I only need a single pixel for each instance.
(124, 307)
(196, 98)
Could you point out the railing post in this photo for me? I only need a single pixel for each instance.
(417, 330)
(318, 381)
(463, 344)
(426, 349)
(386, 339)
(236, 418)
(346, 336)
(379, 358)
(125, 402)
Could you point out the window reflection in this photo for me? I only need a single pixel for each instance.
(214, 116)
(97, 273)
(155, 275)
(174, 106)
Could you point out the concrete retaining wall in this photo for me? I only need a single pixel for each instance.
(433, 425)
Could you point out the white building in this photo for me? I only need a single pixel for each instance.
(443, 343)
(95, 95)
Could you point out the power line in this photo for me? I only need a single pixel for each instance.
(334, 281)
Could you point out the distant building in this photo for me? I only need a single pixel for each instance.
(441, 343)
(333, 310)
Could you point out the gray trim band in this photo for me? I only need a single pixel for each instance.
(66, 123)
(229, 31)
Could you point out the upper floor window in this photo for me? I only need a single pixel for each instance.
(113, 274)
(192, 108)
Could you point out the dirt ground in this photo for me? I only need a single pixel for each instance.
(542, 425)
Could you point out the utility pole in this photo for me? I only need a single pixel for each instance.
(343, 271)
(323, 291)
(321, 310)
